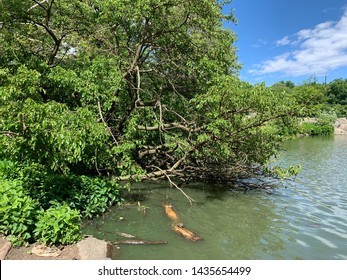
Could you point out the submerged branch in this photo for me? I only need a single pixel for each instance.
(172, 184)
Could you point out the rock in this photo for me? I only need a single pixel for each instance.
(342, 120)
(340, 126)
(338, 131)
(44, 251)
(5, 247)
(92, 248)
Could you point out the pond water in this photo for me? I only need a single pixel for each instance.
(305, 218)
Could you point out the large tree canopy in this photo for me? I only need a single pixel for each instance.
(130, 87)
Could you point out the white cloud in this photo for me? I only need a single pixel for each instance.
(284, 41)
(319, 50)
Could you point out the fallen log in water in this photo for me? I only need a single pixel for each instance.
(186, 233)
(140, 242)
(170, 212)
(178, 227)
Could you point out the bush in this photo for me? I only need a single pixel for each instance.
(340, 110)
(316, 129)
(89, 195)
(28, 192)
(7, 169)
(94, 195)
(59, 224)
(18, 211)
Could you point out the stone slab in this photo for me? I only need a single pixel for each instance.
(340, 126)
(5, 247)
(92, 248)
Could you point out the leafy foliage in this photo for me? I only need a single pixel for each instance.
(89, 195)
(282, 86)
(50, 134)
(29, 191)
(310, 97)
(238, 116)
(18, 212)
(337, 92)
(282, 173)
(58, 224)
(340, 110)
(83, 95)
(316, 129)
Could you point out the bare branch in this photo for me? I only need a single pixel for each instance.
(96, 162)
(138, 88)
(38, 4)
(107, 127)
(174, 112)
(174, 125)
(9, 134)
(191, 200)
(158, 149)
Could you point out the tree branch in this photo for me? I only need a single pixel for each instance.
(174, 125)
(191, 200)
(107, 127)
(9, 134)
(38, 4)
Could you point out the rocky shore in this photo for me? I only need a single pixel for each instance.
(340, 126)
(90, 248)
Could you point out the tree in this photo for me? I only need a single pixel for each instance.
(283, 87)
(311, 98)
(130, 88)
(337, 92)
(289, 84)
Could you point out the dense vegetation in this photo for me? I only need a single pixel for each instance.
(93, 92)
(36, 204)
(320, 104)
(128, 88)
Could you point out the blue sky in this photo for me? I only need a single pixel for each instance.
(291, 40)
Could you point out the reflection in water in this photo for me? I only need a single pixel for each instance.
(306, 219)
(232, 224)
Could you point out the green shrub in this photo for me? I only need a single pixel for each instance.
(316, 129)
(90, 195)
(95, 195)
(58, 225)
(340, 110)
(8, 169)
(18, 211)
(28, 192)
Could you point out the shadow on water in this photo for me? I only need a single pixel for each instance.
(306, 219)
(232, 224)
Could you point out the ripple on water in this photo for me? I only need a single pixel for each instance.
(306, 219)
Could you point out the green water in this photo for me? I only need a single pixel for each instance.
(302, 219)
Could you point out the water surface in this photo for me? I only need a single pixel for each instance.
(305, 218)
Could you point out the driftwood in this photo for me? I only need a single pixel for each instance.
(178, 227)
(140, 242)
(170, 212)
(186, 233)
